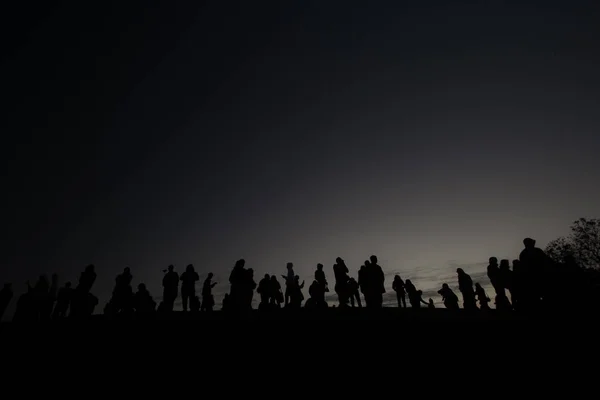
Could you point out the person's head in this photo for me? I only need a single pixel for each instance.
(127, 270)
(267, 276)
(367, 263)
(142, 287)
(189, 268)
(339, 260)
(460, 271)
(171, 268)
(210, 275)
(373, 259)
(477, 285)
(396, 277)
(431, 301)
(493, 261)
(289, 265)
(504, 264)
(273, 278)
(297, 278)
(445, 286)
(529, 243)
(319, 266)
(240, 263)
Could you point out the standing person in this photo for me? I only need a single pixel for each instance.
(398, 287)
(188, 285)
(170, 288)
(208, 300)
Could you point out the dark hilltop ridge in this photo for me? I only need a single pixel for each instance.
(537, 287)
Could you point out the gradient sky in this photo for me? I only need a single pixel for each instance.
(434, 134)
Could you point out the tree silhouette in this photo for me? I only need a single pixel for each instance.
(583, 244)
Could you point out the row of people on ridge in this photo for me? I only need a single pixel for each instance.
(534, 280)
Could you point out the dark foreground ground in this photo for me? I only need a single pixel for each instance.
(306, 350)
(301, 326)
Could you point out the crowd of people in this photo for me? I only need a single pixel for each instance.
(535, 281)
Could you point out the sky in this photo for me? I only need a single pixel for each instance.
(434, 134)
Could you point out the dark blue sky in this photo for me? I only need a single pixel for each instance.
(430, 133)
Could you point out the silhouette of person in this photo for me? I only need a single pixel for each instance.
(289, 282)
(502, 303)
(251, 285)
(362, 281)
(340, 273)
(322, 281)
(87, 279)
(316, 291)
(82, 301)
(276, 294)
(375, 279)
(448, 297)
(194, 304)
(264, 289)
(465, 285)
(482, 297)
(6, 295)
(143, 301)
(410, 292)
(415, 297)
(493, 273)
(170, 288)
(506, 276)
(237, 280)
(122, 299)
(431, 305)
(320, 277)
(226, 305)
(419, 297)
(188, 285)
(535, 267)
(208, 300)
(398, 287)
(531, 256)
(353, 291)
(296, 296)
(63, 301)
